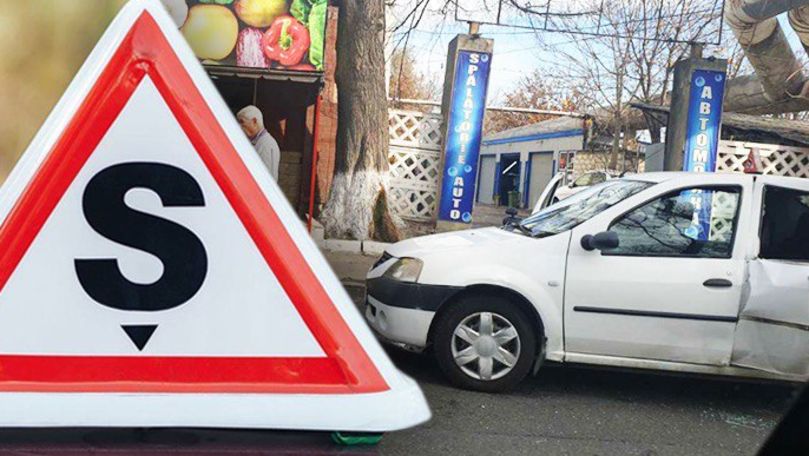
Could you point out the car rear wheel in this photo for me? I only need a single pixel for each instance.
(484, 343)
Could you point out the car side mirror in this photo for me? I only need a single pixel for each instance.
(511, 217)
(605, 240)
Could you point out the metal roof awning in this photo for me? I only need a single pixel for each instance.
(745, 127)
(303, 77)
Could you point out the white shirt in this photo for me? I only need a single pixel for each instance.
(268, 151)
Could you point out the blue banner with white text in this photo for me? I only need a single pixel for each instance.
(702, 142)
(464, 131)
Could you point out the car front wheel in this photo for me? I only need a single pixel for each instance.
(484, 343)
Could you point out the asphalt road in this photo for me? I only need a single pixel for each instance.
(586, 411)
(580, 410)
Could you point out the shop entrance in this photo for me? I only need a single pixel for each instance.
(508, 177)
(289, 110)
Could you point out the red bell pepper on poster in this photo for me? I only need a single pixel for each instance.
(286, 41)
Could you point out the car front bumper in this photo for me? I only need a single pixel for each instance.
(400, 326)
(402, 312)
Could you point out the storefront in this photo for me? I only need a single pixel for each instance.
(290, 108)
(523, 160)
(273, 54)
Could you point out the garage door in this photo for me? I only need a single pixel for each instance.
(486, 179)
(541, 174)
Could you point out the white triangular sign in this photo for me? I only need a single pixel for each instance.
(152, 273)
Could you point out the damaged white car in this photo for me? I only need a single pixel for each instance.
(703, 273)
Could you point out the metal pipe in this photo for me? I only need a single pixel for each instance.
(313, 173)
(578, 115)
(799, 20)
(759, 10)
(779, 77)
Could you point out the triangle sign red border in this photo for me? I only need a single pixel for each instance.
(145, 50)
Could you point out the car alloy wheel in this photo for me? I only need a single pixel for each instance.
(485, 346)
(484, 342)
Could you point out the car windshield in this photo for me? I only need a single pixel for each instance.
(580, 207)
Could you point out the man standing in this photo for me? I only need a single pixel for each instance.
(252, 122)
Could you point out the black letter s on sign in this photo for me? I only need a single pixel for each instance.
(185, 262)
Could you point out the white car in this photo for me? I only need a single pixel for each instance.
(555, 191)
(548, 195)
(703, 273)
(580, 183)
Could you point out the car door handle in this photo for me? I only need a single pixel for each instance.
(717, 283)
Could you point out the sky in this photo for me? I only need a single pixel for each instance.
(516, 50)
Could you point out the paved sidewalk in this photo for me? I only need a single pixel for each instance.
(350, 267)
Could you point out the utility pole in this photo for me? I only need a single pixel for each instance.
(463, 105)
(681, 114)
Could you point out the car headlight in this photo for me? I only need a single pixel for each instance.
(405, 270)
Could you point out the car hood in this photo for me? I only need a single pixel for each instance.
(452, 241)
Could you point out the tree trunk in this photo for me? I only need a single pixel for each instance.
(358, 205)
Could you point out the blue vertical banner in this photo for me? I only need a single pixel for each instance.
(464, 131)
(704, 120)
(702, 143)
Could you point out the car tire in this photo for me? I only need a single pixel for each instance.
(454, 337)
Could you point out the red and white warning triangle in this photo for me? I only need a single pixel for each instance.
(153, 274)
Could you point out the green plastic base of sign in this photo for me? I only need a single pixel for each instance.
(355, 438)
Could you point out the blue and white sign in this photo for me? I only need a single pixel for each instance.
(704, 120)
(464, 130)
(702, 142)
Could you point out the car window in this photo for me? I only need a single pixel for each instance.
(785, 224)
(582, 206)
(697, 222)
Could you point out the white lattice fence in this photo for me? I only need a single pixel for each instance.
(414, 156)
(723, 212)
(414, 129)
(777, 160)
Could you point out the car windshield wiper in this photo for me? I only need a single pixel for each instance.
(542, 234)
(525, 230)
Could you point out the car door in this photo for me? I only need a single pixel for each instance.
(773, 329)
(671, 290)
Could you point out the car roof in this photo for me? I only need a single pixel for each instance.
(663, 176)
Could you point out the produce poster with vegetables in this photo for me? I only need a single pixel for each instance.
(272, 34)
